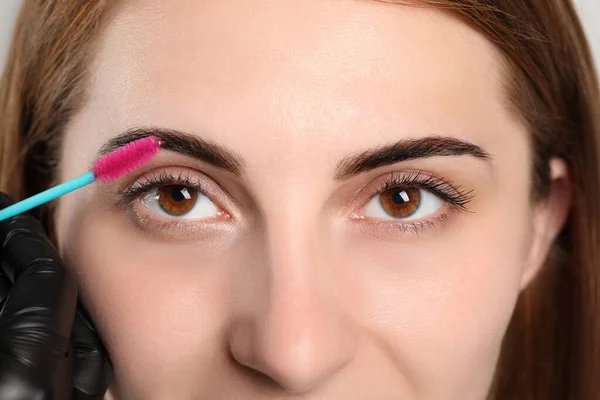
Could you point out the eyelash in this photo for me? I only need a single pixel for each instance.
(140, 188)
(454, 195)
(451, 194)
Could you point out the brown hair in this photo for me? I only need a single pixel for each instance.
(552, 348)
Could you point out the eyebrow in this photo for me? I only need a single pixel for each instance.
(189, 145)
(407, 149)
(219, 156)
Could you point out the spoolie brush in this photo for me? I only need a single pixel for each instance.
(105, 169)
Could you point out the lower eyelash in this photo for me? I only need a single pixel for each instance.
(415, 227)
(170, 229)
(151, 225)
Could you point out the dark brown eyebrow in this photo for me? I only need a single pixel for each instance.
(184, 143)
(404, 150)
(223, 158)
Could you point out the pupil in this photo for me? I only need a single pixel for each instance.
(400, 197)
(177, 193)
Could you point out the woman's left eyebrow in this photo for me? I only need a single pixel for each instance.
(408, 149)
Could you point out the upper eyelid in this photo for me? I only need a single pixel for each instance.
(164, 178)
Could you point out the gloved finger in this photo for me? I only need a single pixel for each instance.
(82, 396)
(92, 369)
(43, 293)
(5, 287)
(15, 383)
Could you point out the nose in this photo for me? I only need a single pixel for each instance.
(294, 331)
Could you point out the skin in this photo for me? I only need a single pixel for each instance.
(287, 294)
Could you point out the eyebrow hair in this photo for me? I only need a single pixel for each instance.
(184, 143)
(223, 158)
(404, 150)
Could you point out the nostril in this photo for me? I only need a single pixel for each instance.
(257, 377)
(267, 376)
(293, 362)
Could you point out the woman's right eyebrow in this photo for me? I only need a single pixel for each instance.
(184, 143)
(221, 157)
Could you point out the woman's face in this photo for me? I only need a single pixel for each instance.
(341, 210)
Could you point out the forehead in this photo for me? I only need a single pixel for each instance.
(267, 75)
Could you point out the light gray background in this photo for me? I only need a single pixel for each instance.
(588, 9)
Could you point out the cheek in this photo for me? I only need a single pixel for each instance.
(442, 303)
(154, 307)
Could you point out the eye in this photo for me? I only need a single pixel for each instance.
(178, 201)
(403, 203)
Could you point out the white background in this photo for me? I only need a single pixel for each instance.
(588, 9)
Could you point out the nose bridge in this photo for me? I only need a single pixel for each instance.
(294, 232)
(295, 334)
(299, 268)
(293, 241)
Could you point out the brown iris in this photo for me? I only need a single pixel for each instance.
(400, 202)
(176, 200)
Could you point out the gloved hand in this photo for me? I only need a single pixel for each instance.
(38, 316)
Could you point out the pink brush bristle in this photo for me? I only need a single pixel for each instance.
(125, 159)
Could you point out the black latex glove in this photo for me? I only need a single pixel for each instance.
(38, 316)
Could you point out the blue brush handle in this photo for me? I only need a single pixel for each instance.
(47, 196)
